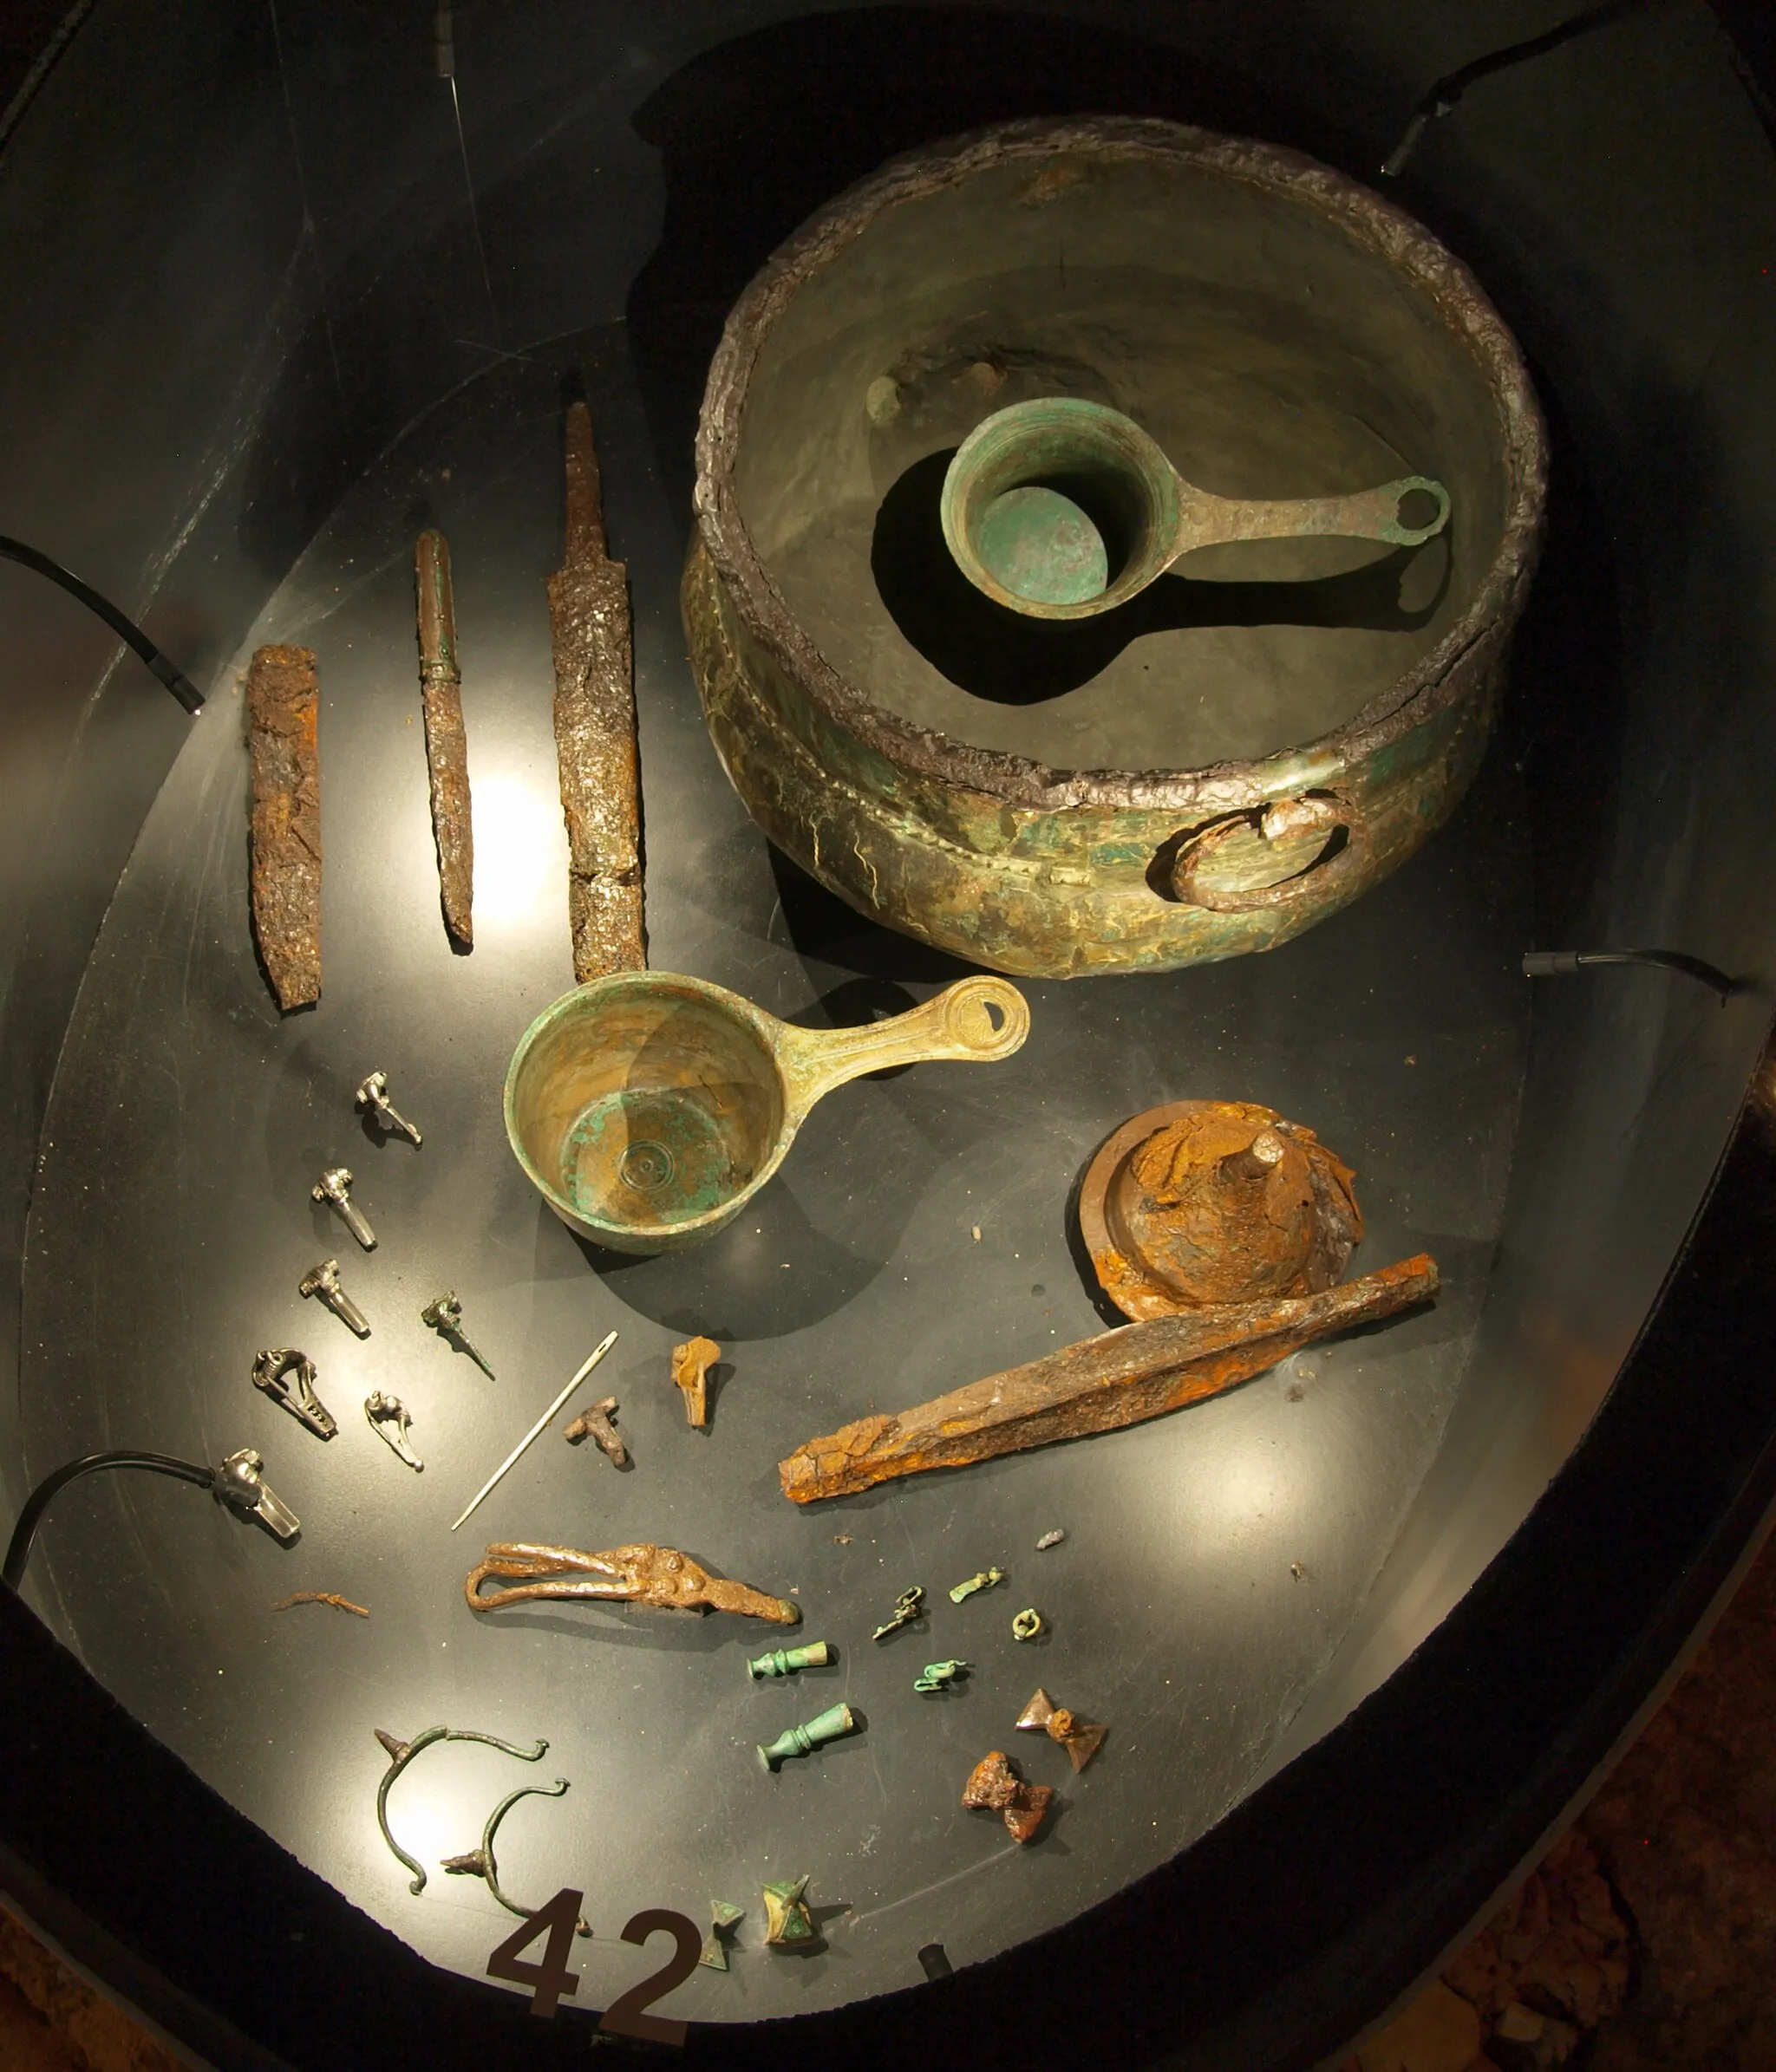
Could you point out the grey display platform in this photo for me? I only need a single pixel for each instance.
(1212, 1560)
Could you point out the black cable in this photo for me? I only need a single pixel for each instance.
(180, 685)
(1450, 89)
(1560, 963)
(19, 1549)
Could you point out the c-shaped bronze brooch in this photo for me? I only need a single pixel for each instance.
(402, 1752)
(478, 1863)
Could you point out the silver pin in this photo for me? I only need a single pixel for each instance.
(335, 1186)
(239, 1482)
(444, 1314)
(598, 1354)
(323, 1280)
(389, 1421)
(374, 1095)
(287, 1377)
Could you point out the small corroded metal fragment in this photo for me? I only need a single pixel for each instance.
(993, 1786)
(1121, 1378)
(595, 727)
(785, 1661)
(832, 1724)
(283, 702)
(909, 1605)
(595, 1423)
(1027, 1624)
(789, 1925)
(939, 1676)
(1211, 1202)
(1051, 1539)
(1080, 1738)
(446, 742)
(320, 1597)
(724, 1918)
(983, 1578)
(691, 1371)
(660, 1577)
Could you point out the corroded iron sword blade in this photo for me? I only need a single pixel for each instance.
(447, 743)
(1121, 1378)
(595, 727)
(283, 703)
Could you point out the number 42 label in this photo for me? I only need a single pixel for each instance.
(550, 1979)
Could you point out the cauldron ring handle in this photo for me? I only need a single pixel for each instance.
(1316, 810)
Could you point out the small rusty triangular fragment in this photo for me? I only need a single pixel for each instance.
(1080, 1738)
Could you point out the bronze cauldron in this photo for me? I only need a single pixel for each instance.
(1262, 733)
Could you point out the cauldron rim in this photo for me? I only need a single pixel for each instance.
(1438, 678)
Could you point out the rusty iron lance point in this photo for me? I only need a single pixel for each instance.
(595, 726)
(536, 1430)
(447, 741)
(1104, 1383)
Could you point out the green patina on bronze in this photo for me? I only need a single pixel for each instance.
(1015, 860)
(786, 1661)
(1062, 508)
(648, 1108)
(831, 1725)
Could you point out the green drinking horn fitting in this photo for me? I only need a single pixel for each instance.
(648, 1108)
(785, 1661)
(803, 1740)
(1062, 508)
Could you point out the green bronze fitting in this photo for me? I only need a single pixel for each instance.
(1027, 1624)
(939, 1676)
(909, 1605)
(401, 1753)
(481, 1863)
(985, 1581)
(831, 1725)
(724, 1917)
(788, 1923)
(785, 1661)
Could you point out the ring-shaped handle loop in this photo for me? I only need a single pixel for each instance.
(1316, 811)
